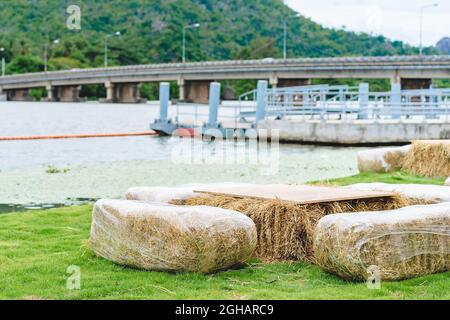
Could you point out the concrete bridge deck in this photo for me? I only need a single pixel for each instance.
(414, 72)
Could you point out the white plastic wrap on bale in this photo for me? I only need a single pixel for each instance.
(398, 244)
(171, 238)
(423, 192)
(159, 194)
(382, 159)
(167, 194)
(447, 182)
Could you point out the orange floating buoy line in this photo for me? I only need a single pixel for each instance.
(80, 136)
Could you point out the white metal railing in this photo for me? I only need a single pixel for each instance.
(192, 113)
(324, 102)
(341, 102)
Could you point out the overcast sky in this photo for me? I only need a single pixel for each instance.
(396, 19)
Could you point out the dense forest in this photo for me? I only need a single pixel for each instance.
(151, 32)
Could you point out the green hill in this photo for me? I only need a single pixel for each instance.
(152, 32)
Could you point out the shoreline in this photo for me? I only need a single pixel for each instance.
(65, 232)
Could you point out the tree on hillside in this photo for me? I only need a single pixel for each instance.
(24, 64)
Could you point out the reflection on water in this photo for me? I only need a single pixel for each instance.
(9, 208)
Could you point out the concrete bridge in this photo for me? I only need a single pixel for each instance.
(122, 83)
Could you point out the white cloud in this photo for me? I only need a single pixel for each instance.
(396, 19)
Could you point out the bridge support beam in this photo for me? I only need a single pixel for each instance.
(19, 95)
(196, 91)
(64, 94)
(123, 93)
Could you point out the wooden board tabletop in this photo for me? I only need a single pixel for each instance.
(300, 194)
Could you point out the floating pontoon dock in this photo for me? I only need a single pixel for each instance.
(316, 114)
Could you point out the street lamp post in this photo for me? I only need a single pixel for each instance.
(118, 34)
(285, 21)
(421, 24)
(2, 50)
(46, 53)
(192, 26)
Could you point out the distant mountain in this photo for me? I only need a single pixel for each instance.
(443, 46)
(152, 32)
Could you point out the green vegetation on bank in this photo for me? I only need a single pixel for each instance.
(36, 248)
(152, 33)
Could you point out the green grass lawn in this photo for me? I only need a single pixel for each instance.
(394, 178)
(36, 248)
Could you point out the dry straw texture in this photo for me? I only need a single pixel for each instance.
(429, 158)
(382, 160)
(170, 238)
(395, 245)
(286, 229)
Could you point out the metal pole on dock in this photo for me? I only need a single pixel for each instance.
(261, 100)
(396, 100)
(214, 102)
(164, 96)
(363, 100)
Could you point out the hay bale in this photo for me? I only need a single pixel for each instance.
(426, 193)
(286, 229)
(382, 159)
(166, 194)
(171, 238)
(401, 244)
(429, 159)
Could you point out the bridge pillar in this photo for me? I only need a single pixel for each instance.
(415, 84)
(123, 93)
(64, 93)
(19, 95)
(50, 93)
(69, 94)
(182, 89)
(109, 92)
(273, 81)
(196, 91)
(128, 93)
(2, 95)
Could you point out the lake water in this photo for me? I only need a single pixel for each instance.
(61, 172)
